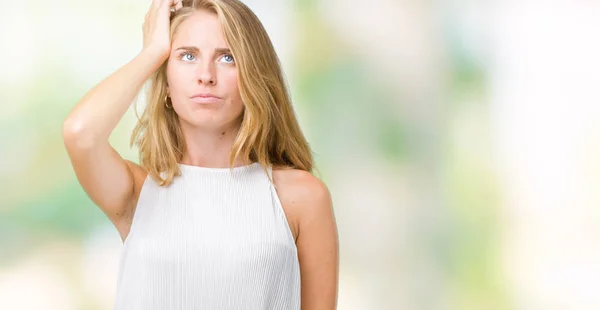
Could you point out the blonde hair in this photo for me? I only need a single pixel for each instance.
(269, 132)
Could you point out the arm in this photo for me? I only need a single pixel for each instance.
(103, 174)
(96, 115)
(318, 248)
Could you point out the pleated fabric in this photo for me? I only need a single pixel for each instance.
(213, 239)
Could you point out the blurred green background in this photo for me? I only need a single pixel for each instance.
(459, 140)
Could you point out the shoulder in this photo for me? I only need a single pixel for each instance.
(300, 184)
(301, 192)
(316, 238)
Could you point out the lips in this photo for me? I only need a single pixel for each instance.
(205, 98)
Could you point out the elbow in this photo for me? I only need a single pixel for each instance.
(75, 134)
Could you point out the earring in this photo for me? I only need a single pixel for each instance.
(167, 101)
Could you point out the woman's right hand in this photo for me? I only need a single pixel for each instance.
(157, 27)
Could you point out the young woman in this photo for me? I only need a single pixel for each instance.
(223, 211)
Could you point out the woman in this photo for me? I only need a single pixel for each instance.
(223, 211)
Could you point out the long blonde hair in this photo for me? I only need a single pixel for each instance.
(269, 132)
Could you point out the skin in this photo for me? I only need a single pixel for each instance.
(210, 132)
(209, 129)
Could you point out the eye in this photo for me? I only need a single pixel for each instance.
(228, 58)
(185, 55)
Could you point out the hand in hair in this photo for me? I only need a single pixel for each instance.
(157, 27)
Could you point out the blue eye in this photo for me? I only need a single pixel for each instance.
(185, 54)
(228, 58)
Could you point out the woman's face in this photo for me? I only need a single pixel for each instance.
(201, 65)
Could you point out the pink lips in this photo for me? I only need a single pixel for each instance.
(205, 98)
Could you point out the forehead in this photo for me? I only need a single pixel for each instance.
(202, 29)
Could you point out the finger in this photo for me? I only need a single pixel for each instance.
(165, 3)
(149, 10)
(155, 5)
(164, 7)
(175, 4)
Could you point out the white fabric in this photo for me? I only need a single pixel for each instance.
(211, 240)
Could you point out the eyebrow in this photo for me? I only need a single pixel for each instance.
(220, 50)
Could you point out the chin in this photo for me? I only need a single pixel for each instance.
(207, 121)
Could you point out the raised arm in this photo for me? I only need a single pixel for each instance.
(106, 178)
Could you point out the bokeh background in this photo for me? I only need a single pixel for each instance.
(460, 141)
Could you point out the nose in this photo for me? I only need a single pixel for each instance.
(207, 79)
(206, 76)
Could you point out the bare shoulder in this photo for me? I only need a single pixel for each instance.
(299, 185)
(308, 200)
(302, 193)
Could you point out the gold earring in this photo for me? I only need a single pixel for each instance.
(167, 101)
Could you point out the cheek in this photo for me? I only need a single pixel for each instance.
(176, 75)
(231, 83)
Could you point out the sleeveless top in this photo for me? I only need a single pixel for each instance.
(212, 239)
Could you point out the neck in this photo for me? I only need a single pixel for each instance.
(210, 148)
